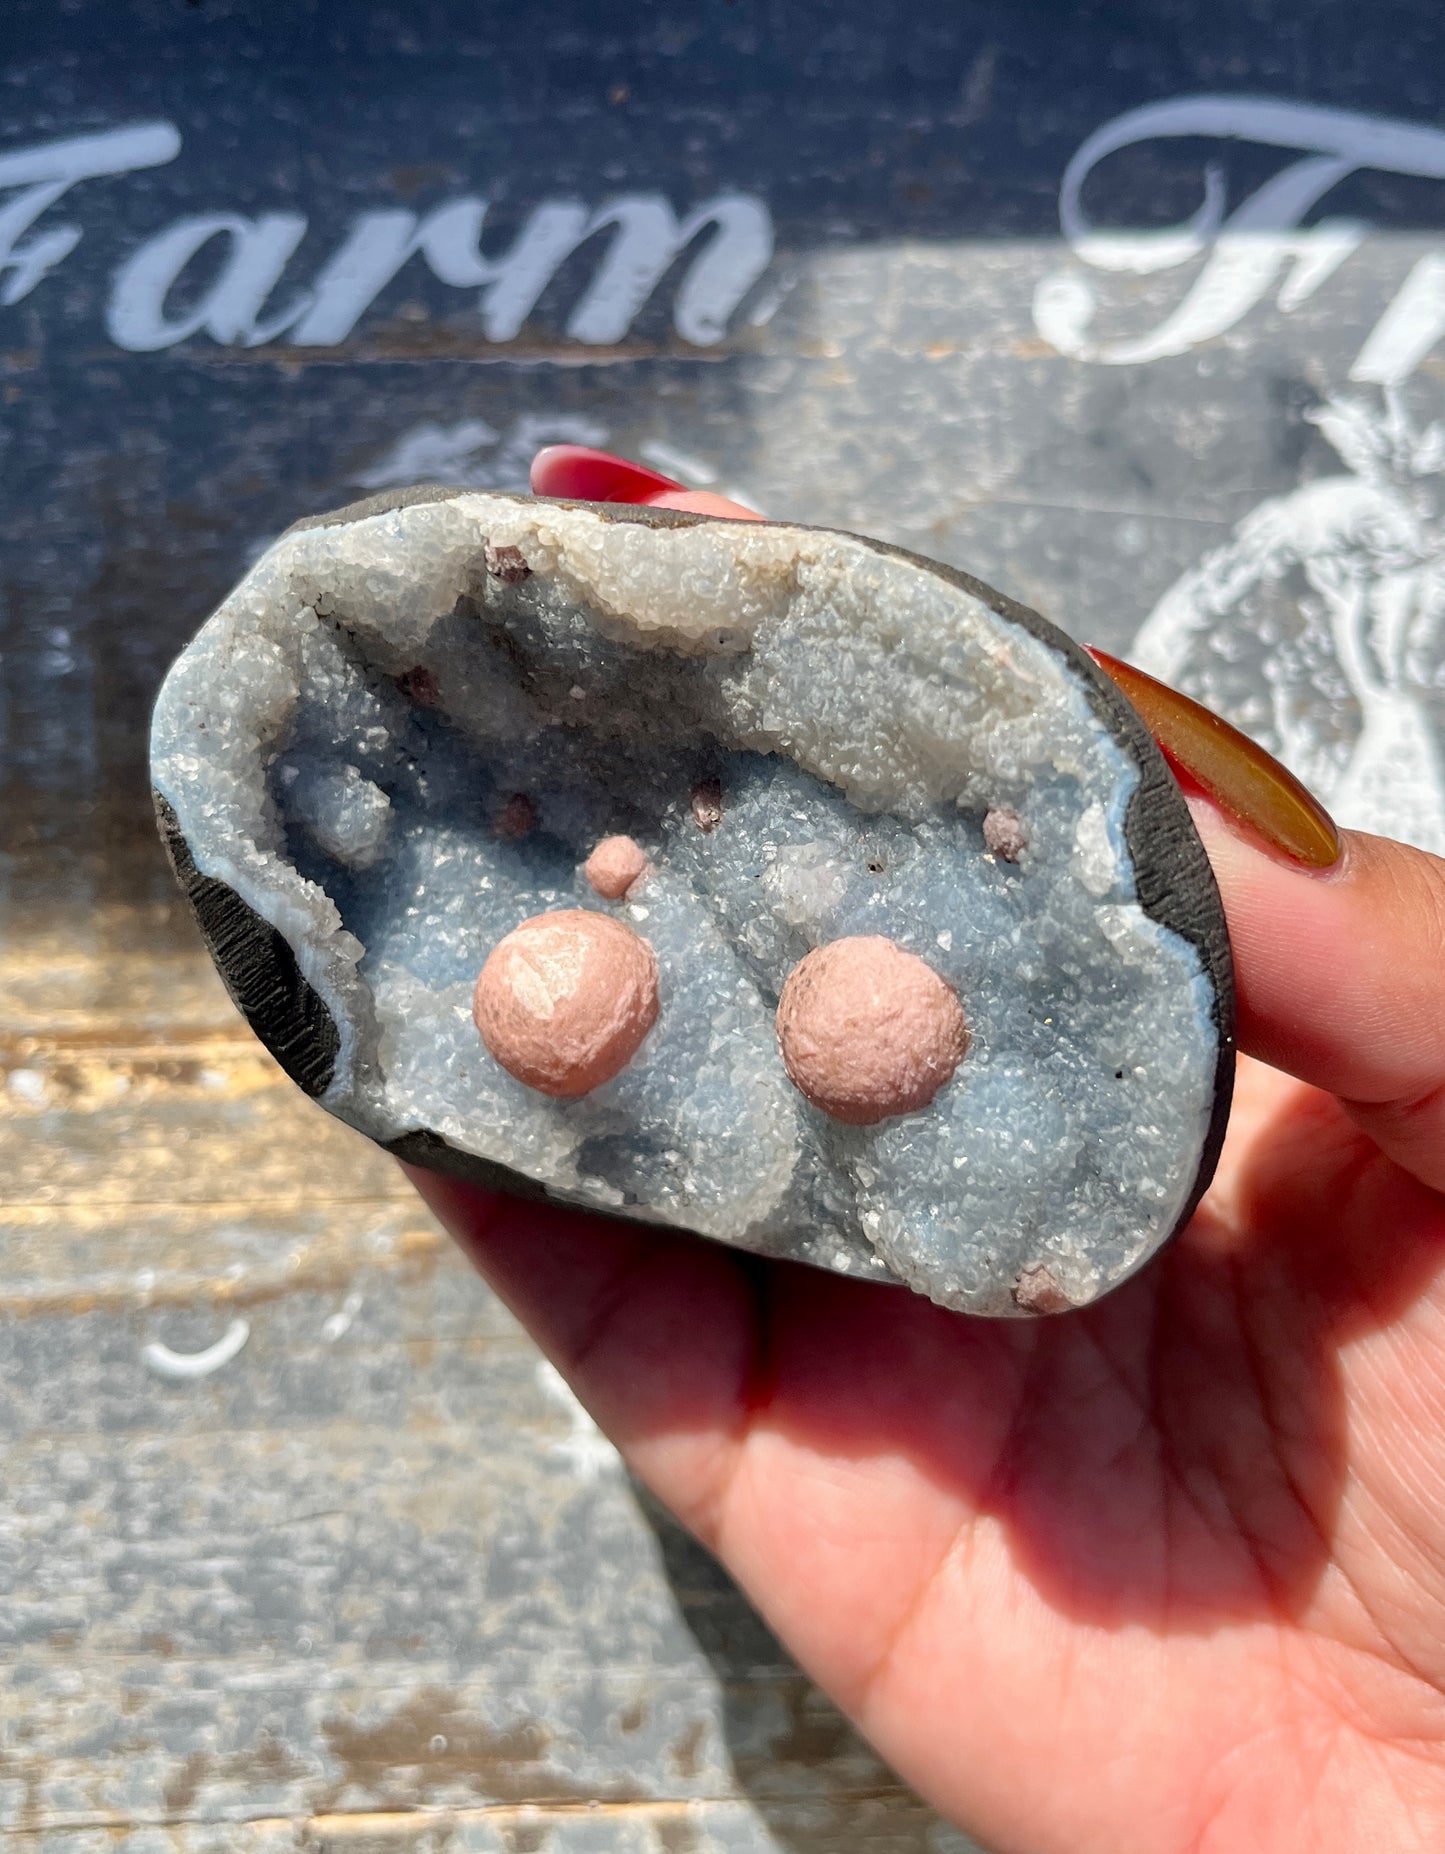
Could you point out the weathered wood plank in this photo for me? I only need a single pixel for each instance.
(374, 1583)
(109, 970)
(693, 1827)
(376, 1564)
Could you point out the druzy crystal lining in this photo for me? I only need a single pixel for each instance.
(405, 733)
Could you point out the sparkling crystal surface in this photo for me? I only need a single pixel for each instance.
(341, 743)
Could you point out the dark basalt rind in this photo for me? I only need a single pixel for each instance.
(259, 971)
(434, 1154)
(1173, 877)
(258, 968)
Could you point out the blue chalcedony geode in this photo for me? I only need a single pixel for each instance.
(406, 729)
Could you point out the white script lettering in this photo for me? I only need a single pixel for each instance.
(647, 238)
(1246, 251)
(1408, 329)
(726, 242)
(46, 172)
(259, 251)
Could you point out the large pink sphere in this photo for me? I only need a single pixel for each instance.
(565, 1000)
(868, 1030)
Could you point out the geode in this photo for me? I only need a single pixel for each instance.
(407, 728)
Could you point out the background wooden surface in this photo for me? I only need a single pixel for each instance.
(375, 1583)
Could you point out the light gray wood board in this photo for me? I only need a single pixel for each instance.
(376, 1582)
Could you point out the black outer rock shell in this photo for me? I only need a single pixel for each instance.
(1175, 882)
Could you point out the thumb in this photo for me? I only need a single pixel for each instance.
(1341, 977)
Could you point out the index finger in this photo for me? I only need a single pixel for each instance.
(568, 470)
(1341, 978)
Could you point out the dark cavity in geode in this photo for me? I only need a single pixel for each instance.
(413, 721)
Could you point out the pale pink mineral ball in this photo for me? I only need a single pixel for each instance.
(614, 866)
(868, 1031)
(564, 1001)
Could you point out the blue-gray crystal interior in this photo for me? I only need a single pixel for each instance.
(402, 735)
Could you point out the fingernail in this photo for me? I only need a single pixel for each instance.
(1247, 784)
(575, 471)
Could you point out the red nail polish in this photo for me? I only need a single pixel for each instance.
(573, 471)
(1246, 783)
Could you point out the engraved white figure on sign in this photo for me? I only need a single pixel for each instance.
(1320, 625)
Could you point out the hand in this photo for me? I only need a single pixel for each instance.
(1166, 1574)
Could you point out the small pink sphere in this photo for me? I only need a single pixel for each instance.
(614, 866)
(565, 1000)
(868, 1031)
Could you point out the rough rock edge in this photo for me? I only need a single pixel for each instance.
(1172, 874)
(258, 967)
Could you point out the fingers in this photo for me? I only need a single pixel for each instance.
(575, 471)
(1338, 942)
(703, 502)
(1341, 979)
(1214, 758)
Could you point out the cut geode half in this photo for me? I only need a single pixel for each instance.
(412, 722)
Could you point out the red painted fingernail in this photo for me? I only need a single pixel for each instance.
(574, 471)
(1247, 784)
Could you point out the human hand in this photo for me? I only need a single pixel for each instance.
(1164, 1574)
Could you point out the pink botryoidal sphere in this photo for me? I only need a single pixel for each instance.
(565, 1000)
(868, 1030)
